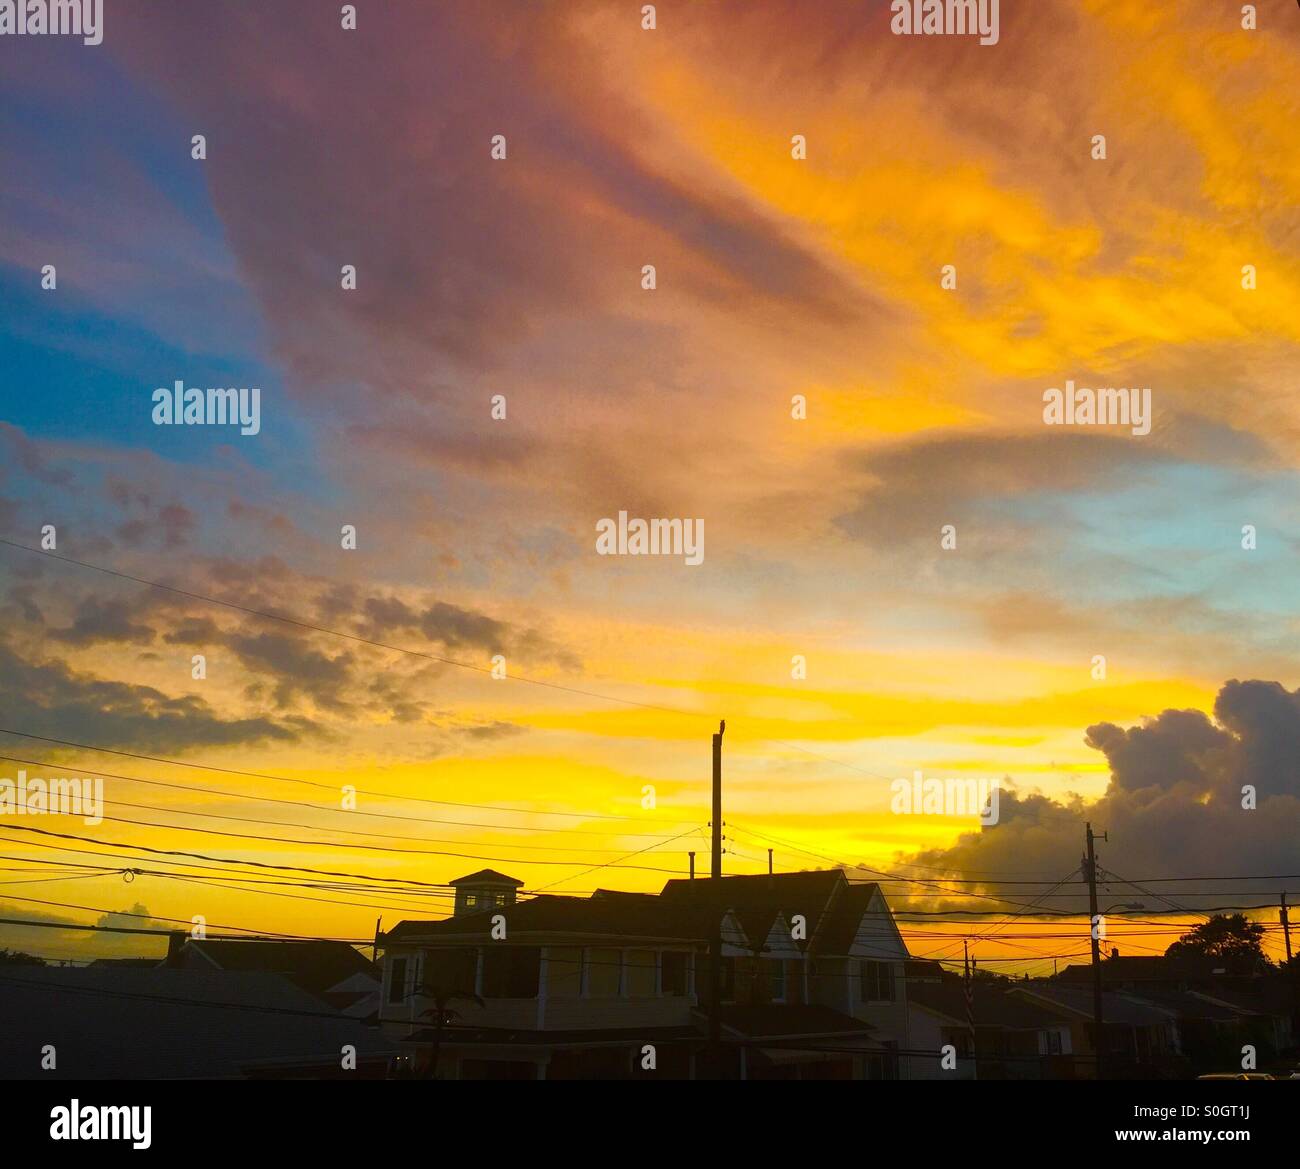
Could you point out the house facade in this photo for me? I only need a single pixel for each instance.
(616, 984)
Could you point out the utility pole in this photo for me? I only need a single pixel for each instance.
(969, 988)
(769, 873)
(1286, 927)
(691, 854)
(1098, 1016)
(715, 916)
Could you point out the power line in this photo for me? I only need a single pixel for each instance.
(354, 637)
(323, 828)
(216, 791)
(361, 847)
(326, 786)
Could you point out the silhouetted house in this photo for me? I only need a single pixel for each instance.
(1208, 1033)
(325, 969)
(1215, 1006)
(1014, 1038)
(105, 1023)
(555, 987)
(1141, 1038)
(1269, 1010)
(1158, 972)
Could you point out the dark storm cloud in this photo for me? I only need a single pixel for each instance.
(1174, 807)
(50, 698)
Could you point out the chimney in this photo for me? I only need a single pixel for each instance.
(175, 949)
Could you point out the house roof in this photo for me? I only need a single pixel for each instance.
(757, 900)
(1120, 1009)
(1187, 1004)
(487, 877)
(788, 1020)
(575, 1037)
(839, 930)
(1158, 968)
(314, 966)
(684, 911)
(991, 1006)
(199, 1024)
(550, 915)
(1272, 995)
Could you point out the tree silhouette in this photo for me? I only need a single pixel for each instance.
(442, 1013)
(1231, 937)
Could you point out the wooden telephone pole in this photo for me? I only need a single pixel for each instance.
(1098, 1015)
(715, 915)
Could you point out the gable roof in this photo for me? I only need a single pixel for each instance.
(487, 877)
(758, 899)
(840, 929)
(314, 966)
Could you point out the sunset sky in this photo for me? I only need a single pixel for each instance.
(775, 277)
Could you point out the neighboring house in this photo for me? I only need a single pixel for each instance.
(334, 972)
(110, 1023)
(358, 996)
(1215, 1006)
(1159, 972)
(1141, 1038)
(555, 987)
(1014, 1038)
(1270, 1010)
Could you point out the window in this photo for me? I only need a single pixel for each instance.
(1053, 1043)
(775, 979)
(641, 974)
(510, 972)
(397, 980)
(877, 982)
(728, 973)
(449, 972)
(603, 970)
(564, 971)
(674, 973)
